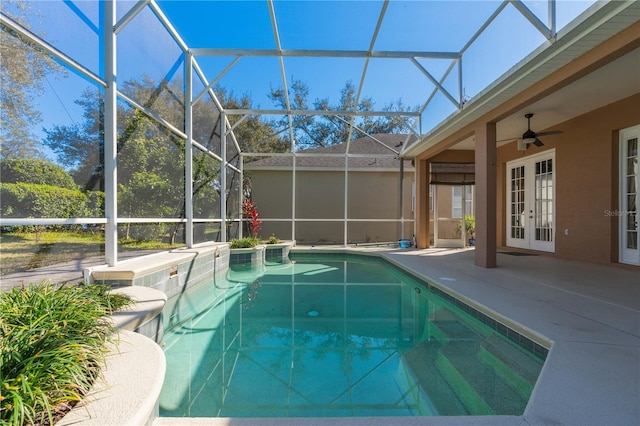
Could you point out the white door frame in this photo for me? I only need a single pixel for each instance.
(629, 204)
(532, 196)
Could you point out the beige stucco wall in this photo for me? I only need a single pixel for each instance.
(320, 195)
(586, 181)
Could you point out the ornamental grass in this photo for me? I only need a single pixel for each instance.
(53, 342)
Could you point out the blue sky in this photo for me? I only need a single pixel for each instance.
(415, 25)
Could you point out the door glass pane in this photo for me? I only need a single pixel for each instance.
(631, 195)
(632, 147)
(543, 210)
(517, 202)
(631, 185)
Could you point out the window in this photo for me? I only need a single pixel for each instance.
(456, 211)
(432, 189)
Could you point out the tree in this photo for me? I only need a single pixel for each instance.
(22, 75)
(81, 146)
(331, 129)
(150, 157)
(253, 134)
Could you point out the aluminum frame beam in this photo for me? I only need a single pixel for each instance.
(51, 50)
(318, 53)
(233, 111)
(549, 33)
(110, 133)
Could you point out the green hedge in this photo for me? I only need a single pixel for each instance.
(18, 170)
(46, 201)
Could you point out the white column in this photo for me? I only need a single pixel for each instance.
(346, 199)
(188, 148)
(110, 133)
(293, 198)
(223, 176)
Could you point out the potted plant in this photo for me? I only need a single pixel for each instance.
(469, 229)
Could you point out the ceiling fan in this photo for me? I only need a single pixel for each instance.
(531, 137)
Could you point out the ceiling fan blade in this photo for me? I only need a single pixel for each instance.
(551, 132)
(538, 142)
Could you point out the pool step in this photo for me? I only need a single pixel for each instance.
(516, 367)
(486, 383)
(434, 390)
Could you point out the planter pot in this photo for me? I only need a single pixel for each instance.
(247, 256)
(278, 253)
(134, 370)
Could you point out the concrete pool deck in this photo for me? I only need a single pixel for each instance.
(590, 313)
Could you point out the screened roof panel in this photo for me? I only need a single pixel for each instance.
(403, 82)
(157, 55)
(432, 25)
(567, 11)
(221, 24)
(327, 25)
(252, 76)
(405, 51)
(315, 72)
(51, 21)
(388, 50)
(507, 41)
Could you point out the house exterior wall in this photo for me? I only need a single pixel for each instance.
(586, 155)
(586, 181)
(320, 195)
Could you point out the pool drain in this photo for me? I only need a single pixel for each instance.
(313, 313)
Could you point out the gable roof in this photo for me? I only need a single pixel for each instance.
(374, 153)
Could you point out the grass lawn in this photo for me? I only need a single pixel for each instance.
(21, 251)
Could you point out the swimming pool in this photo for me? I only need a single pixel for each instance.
(336, 336)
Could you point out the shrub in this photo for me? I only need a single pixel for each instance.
(246, 242)
(273, 240)
(44, 201)
(469, 226)
(249, 211)
(40, 172)
(52, 343)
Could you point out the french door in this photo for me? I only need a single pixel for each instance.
(531, 202)
(629, 203)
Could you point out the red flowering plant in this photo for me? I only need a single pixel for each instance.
(250, 212)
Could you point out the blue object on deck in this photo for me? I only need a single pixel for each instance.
(405, 243)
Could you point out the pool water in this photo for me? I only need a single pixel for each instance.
(329, 337)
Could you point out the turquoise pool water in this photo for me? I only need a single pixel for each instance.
(336, 336)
